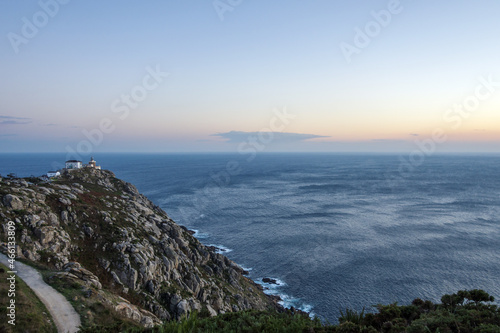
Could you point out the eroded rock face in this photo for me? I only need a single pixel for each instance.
(12, 201)
(130, 311)
(100, 230)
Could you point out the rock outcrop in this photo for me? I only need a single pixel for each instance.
(95, 228)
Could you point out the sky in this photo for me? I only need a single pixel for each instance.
(233, 75)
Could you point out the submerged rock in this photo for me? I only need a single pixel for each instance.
(269, 280)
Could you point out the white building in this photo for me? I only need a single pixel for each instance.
(73, 164)
(51, 174)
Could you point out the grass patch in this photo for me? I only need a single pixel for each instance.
(247, 321)
(31, 313)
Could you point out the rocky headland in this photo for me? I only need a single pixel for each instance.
(99, 233)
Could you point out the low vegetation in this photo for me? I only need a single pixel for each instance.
(464, 312)
(31, 314)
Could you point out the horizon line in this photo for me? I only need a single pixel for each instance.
(266, 152)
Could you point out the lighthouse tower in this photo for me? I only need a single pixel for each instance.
(92, 162)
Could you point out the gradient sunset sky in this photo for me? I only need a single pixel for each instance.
(234, 64)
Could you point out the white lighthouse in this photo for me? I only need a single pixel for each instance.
(92, 164)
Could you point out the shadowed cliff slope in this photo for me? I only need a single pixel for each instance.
(99, 232)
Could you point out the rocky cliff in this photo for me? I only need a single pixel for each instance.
(99, 231)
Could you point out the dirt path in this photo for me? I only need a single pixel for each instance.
(62, 312)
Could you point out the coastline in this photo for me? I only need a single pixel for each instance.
(355, 249)
(150, 257)
(271, 286)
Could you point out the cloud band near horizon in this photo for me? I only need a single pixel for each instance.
(282, 137)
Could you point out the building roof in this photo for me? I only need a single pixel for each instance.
(73, 161)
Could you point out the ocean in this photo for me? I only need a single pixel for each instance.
(334, 231)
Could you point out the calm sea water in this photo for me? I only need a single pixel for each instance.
(330, 228)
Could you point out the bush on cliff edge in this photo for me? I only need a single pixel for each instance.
(467, 311)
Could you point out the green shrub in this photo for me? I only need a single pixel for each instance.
(464, 312)
(352, 316)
